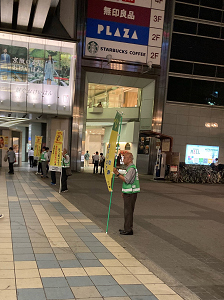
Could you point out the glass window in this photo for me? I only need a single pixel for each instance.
(204, 70)
(195, 91)
(185, 27)
(220, 72)
(108, 96)
(189, 1)
(208, 30)
(179, 89)
(182, 47)
(212, 3)
(218, 93)
(186, 10)
(181, 67)
(222, 32)
(210, 14)
(202, 91)
(199, 49)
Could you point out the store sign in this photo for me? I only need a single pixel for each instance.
(36, 75)
(127, 30)
(123, 51)
(118, 32)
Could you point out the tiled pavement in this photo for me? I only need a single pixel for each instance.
(50, 250)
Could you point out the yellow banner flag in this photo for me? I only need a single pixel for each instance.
(37, 147)
(111, 149)
(56, 155)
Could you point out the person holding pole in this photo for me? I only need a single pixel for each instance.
(130, 188)
(65, 163)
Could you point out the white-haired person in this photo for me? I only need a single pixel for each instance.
(130, 189)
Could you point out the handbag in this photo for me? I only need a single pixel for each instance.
(68, 171)
(6, 156)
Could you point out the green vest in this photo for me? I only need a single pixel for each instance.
(64, 164)
(42, 158)
(134, 187)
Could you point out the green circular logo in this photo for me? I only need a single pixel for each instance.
(93, 47)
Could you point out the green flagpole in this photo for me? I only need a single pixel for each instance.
(112, 185)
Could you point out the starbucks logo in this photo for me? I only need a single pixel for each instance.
(93, 47)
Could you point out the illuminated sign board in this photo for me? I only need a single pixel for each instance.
(36, 75)
(129, 30)
(200, 154)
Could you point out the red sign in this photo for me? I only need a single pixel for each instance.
(119, 13)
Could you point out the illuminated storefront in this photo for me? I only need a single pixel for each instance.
(36, 75)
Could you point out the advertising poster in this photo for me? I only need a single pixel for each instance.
(111, 149)
(49, 67)
(13, 63)
(56, 155)
(201, 155)
(37, 147)
(4, 142)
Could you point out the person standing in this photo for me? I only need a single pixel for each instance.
(48, 159)
(65, 163)
(31, 157)
(130, 188)
(118, 161)
(96, 162)
(102, 161)
(44, 161)
(86, 157)
(39, 168)
(11, 159)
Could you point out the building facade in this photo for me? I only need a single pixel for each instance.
(193, 111)
(158, 62)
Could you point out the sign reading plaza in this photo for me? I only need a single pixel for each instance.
(129, 30)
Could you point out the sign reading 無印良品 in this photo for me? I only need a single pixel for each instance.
(130, 30)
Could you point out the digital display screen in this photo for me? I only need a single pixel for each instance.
(200, 154)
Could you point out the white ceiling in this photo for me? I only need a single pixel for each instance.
(119, 80)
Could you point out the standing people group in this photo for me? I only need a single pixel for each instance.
(43, 168)
(98, 160)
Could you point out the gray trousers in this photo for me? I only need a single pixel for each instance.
(44, 168)
(129, 206)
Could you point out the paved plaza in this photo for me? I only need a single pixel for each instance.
(178, 229)
(51, 250)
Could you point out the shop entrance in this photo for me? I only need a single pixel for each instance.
(18, 130)
(107, 94)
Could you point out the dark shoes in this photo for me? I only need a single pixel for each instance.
(123, 232)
